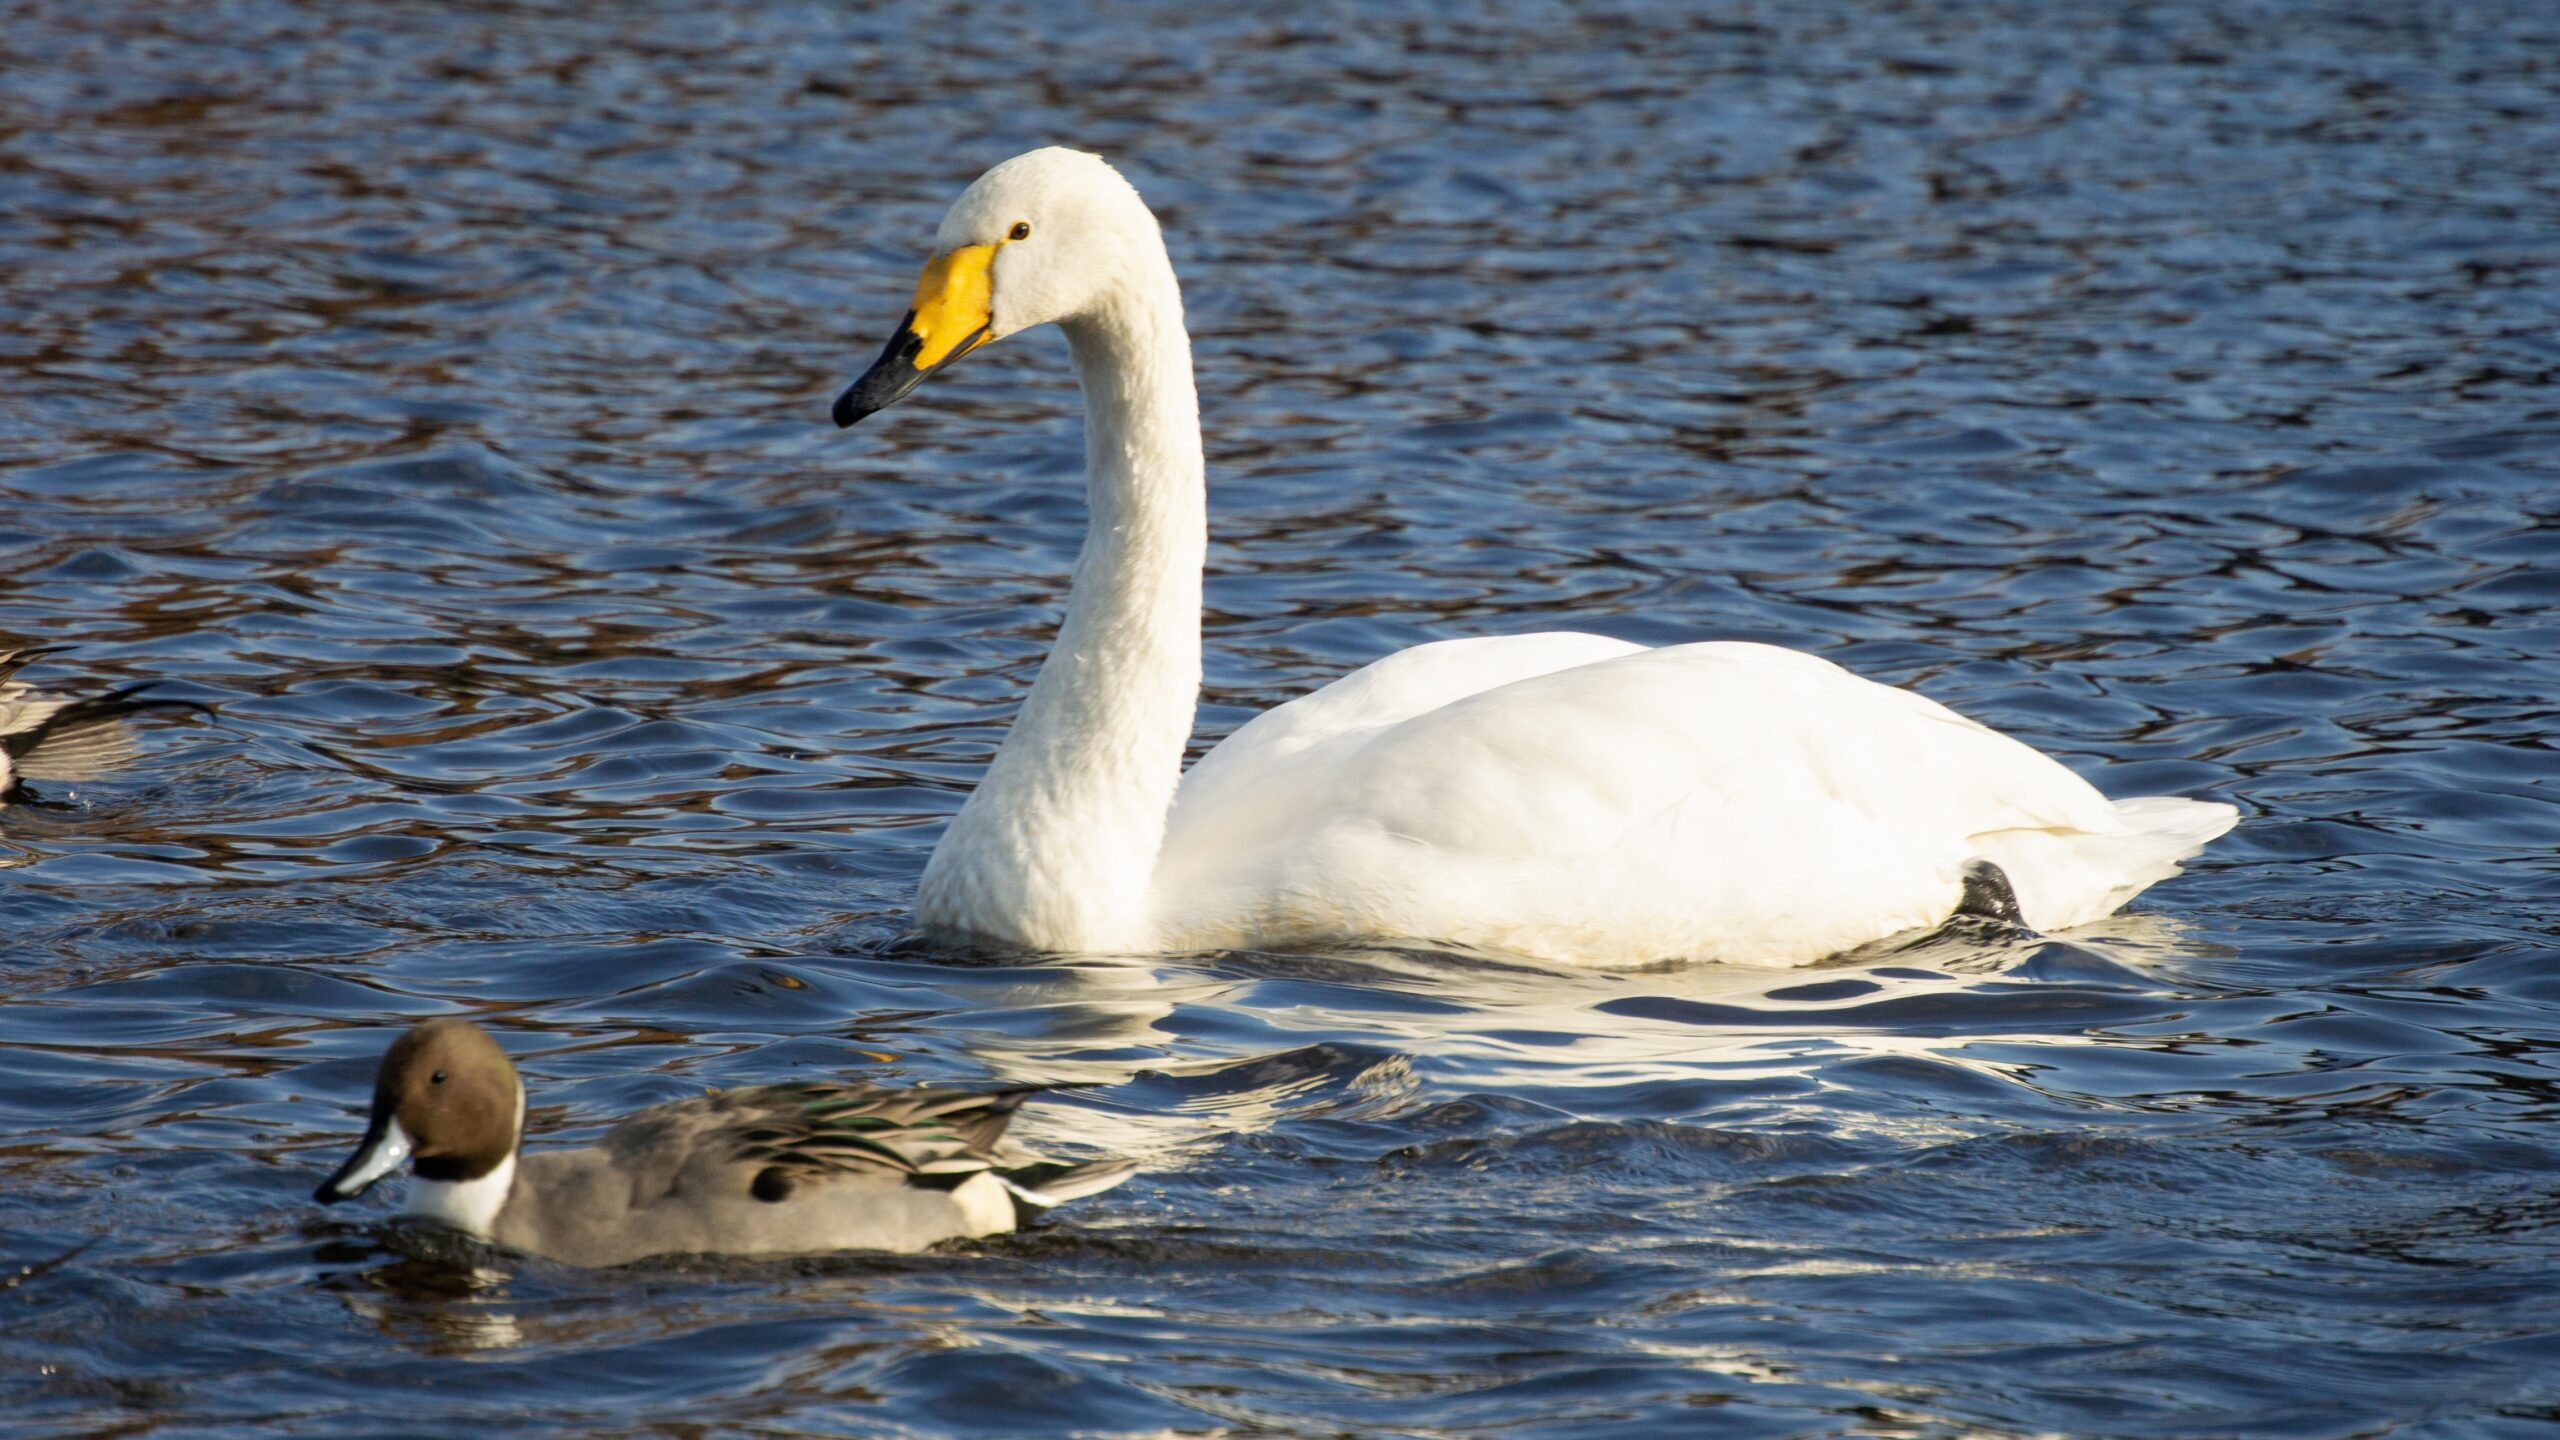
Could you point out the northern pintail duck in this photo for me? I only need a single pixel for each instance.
(771, 1169)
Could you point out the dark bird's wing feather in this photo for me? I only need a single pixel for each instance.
(13, 661)
(45, 738)
(75, 740)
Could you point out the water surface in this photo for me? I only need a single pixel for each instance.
(439, 392)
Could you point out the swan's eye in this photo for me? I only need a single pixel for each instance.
(1021, 230)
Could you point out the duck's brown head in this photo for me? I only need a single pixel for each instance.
(447, 1101)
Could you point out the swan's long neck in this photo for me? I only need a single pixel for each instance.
(1057, 849)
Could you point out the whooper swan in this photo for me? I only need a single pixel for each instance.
(1560, 796)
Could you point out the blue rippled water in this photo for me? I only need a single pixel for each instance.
(438, 392)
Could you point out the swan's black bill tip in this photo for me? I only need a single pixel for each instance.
(891, 378)
(884, 385)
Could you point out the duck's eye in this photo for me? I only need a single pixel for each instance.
(1021, 230)
(436, 1079)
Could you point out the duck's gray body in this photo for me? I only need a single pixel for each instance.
(580, 1207)
(848, 1167)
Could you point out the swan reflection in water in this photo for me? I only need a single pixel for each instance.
(1398, 1024)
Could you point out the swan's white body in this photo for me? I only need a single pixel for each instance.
(1561, 796)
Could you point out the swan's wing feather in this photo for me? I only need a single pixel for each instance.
(1383, 693)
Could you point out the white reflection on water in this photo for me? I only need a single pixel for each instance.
(1502, 1026)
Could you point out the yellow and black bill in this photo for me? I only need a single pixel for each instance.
(954, 314)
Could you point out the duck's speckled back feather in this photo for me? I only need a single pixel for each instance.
(810, 1130)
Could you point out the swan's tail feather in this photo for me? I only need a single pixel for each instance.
(2171, 820)
(2071, 877)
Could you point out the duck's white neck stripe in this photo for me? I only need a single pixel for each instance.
(469, 1205)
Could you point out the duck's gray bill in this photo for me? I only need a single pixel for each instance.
(385, 1149)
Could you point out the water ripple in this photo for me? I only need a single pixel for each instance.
(439, 394)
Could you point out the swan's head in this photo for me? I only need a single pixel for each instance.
(1052, 235)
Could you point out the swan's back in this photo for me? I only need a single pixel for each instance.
(1383, 693)
(1715, 801)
